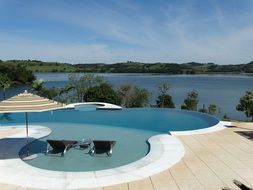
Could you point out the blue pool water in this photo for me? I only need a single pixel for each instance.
(151, 119)
(130, 146)
(87, 107)
(129, 127)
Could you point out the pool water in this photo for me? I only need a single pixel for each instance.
(87, 107)
(151, 119)
(130, 128)
(130, 146)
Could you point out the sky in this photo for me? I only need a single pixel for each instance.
(110, 31)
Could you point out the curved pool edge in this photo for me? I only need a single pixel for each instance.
(165, 151)
(100, 105)
(218, 127)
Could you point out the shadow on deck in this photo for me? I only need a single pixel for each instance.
(246, 134)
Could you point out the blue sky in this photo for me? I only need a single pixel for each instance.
(90, 31)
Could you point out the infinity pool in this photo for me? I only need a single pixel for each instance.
(130, 128)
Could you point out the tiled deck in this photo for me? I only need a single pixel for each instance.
(211, 161)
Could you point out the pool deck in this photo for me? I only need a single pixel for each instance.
(211, 161)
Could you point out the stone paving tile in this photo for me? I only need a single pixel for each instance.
(232, 162)
(244, 173)
(217, 165)
(248, 163)
(234, 151)
(144, 184)
(196, 164)
(99, 188)
(169, 185)
(245, 147)
(117, 187)
(249, 181)
(225, 173)
(189, 184)
(164, 181)
(211, 182)
(180, 171)
(191, 141)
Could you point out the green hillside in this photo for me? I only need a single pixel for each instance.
(132, 67)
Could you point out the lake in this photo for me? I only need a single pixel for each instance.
(221, 89)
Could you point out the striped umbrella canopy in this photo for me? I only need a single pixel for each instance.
(28, 102)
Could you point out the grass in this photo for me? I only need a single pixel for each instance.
(52, 68)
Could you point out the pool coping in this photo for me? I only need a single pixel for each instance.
(218, 127)
(165, 151)
(101, 105)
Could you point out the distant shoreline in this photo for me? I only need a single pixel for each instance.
(166, 74)
(190, 68)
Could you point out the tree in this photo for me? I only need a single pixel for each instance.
(81, 84)
(125, 92)
(37, 88)
(226, 117)
(203, 109)
(212, 108)
(37, 85)
(50, 93)
(63, 95)
(246, 104)
(132, 96)
(16, 73)
(164, 100)
(5, 83)
(102, 93)
(191, 101)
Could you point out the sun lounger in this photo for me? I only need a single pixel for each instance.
(59, 146)
(102, 146)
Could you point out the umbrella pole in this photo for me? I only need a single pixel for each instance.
(27, 141)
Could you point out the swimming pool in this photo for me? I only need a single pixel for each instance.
(129, 127)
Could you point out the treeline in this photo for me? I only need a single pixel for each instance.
(133, 67)
(92, 88)
(165, 68)
(40, 66)
(15, 73)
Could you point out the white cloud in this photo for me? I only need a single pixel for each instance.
(233, 49)
(140, 37)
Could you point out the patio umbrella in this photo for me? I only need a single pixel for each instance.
(28, 102)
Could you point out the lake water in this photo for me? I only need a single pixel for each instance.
(222, 90)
